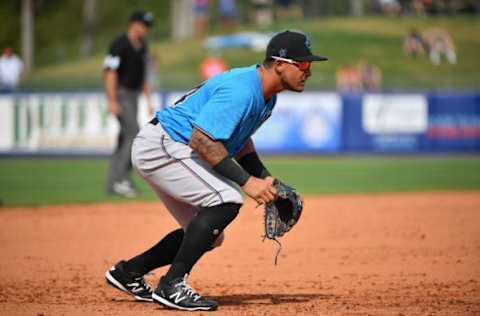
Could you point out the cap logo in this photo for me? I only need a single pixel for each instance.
(308, 43)
(148, 17)
(282, 53)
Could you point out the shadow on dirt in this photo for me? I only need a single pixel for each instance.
(259, 299)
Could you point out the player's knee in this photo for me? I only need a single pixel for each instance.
(213, 220)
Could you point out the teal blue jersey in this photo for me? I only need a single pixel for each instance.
(228, 107)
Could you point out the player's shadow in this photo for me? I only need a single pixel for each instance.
(268, 299)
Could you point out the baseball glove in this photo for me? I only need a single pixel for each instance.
(282, 214)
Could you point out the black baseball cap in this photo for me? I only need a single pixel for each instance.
(142, 16)
(292, 45)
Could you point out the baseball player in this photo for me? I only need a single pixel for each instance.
(125, 72)
(198, 156)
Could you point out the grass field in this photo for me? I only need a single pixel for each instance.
(376, 40)
(30, 182)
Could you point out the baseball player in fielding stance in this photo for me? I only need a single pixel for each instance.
(198, 155)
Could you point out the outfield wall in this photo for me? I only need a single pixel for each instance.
(310, 122)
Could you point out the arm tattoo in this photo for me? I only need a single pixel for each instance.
(210, 150)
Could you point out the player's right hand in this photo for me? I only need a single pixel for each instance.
(114, 107)
(260, 190)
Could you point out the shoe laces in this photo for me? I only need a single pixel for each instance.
(189, 291)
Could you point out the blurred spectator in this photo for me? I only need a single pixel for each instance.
(11, 67)
(405, 6)
(262, 12)
(440, 45)
(211, 66)
(414, 44)
(364, 77)
(228, 15)
(370, 76)
(286, 10)
(348, 79)
(390, 7)
(200, 12)
(418, 7)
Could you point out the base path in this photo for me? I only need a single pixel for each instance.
(381, 254)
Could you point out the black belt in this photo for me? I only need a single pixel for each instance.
(154, 121)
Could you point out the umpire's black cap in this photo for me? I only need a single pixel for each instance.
(142, 16)
(292, 45)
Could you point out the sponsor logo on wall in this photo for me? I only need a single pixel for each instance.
(394, 120)
(454, 126)
(306, 122)
(394, 114)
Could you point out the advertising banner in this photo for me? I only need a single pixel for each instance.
(436, 122)
(394, 114)
(384, 122)
(309, 122)
(454, 122)
(59, 122)
(302, 123)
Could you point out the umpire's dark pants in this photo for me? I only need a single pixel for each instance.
(121, 163)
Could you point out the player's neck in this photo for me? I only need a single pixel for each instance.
(270, 86)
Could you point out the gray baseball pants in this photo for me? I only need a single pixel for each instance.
(121, 164)
(179, 177)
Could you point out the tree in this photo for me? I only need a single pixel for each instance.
(89, 21)
(357, 7)
(28, 39)
(182, 19)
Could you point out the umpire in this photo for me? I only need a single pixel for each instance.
(125, 73)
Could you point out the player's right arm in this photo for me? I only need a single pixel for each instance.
(111, 84)
(215, 154)
(110, 66)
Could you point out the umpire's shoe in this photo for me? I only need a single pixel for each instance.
(132, 283)
(179, 295)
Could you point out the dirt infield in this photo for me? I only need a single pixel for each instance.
(385, 254)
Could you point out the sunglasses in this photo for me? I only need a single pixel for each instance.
(302, 65)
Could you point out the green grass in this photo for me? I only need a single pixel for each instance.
(376, 40)
(378, 174)
(30, 182)
(43, 181)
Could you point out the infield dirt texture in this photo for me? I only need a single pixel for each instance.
(382, 254)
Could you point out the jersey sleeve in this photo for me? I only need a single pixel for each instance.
(112, 60)
(225, 109)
